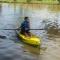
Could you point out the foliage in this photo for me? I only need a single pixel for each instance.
(59, 1)
(28, 1)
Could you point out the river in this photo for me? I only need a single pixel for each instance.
(42, 16)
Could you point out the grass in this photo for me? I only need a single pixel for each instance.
(32, 1)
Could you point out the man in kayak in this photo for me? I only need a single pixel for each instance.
(25, 27)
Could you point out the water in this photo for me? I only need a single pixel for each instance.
(41, 16)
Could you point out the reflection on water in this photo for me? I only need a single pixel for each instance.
(41, 16)
(0, 8)
(32, 50)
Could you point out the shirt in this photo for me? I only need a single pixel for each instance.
(25, 25)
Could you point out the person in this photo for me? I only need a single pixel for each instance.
(25, 27)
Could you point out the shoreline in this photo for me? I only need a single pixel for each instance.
(31, 3)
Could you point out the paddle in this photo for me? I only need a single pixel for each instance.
(20, 29)
(3, 37)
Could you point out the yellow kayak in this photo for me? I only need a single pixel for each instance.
(34, 40)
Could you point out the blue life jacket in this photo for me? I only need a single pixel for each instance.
(25, 26)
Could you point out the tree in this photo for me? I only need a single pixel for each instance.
(39, 0)
(28, 1)
(59, 1)
(14, 0)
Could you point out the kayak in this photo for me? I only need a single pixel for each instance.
(33, 40)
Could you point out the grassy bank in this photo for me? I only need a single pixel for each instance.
(28, 1)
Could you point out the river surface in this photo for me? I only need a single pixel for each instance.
(42, 16)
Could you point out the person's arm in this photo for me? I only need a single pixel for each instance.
(20, 26)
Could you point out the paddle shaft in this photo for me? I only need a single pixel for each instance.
(20, 29)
